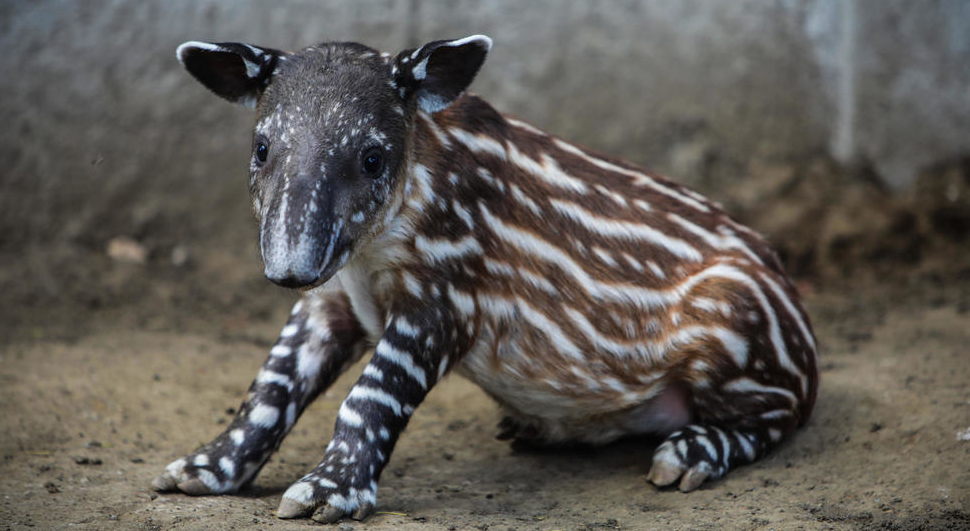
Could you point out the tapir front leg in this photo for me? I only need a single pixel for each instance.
(320, 340)
(407, 362)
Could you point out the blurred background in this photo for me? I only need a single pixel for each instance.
(133, 310)
(839, 128)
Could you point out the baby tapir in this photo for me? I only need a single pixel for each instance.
(592, 299)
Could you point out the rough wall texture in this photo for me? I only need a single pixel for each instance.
(105, 135)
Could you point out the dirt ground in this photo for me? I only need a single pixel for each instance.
(112, 367)
(96, 399)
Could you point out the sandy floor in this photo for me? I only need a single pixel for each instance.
(87, 419)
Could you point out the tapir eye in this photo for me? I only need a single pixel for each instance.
(372, 163)
(262, 150)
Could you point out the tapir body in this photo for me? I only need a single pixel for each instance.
(590, 298)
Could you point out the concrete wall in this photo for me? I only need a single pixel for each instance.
(105, 135)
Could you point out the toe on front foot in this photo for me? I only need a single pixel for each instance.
(179, 476)
(668, 467)
(323, 503)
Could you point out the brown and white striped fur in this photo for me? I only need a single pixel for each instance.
(592, 299)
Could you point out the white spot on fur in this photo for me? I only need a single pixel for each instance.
(228, 467)
(349, 416)
(404, 360)
(281, 351)
(264, 415)
(462, 301)
(374, 372)
(372, 394)
(300, 492)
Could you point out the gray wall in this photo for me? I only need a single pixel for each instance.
(105, 135)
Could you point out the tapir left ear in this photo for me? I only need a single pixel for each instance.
(237, 72)
(438, 72)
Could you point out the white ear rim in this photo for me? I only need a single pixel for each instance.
(484, 40)
(184, 48)
(252, 69)
(432, 103)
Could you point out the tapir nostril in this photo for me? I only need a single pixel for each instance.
(292, 281)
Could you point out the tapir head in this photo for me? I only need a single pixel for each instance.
(332, 145)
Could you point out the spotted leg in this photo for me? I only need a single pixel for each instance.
(395, 381)
(707, 450)
(699, 453)
(320, 340)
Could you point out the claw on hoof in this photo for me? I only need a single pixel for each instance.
(363, 511)
(664, 473)
(693, 479)
(328, 514)
(164, 483)
(292, 509)
(193, 487)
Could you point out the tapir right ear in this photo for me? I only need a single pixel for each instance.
(237, 72)
(438, 72)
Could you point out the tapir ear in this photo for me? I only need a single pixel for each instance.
(438, 72)
(237, 72)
